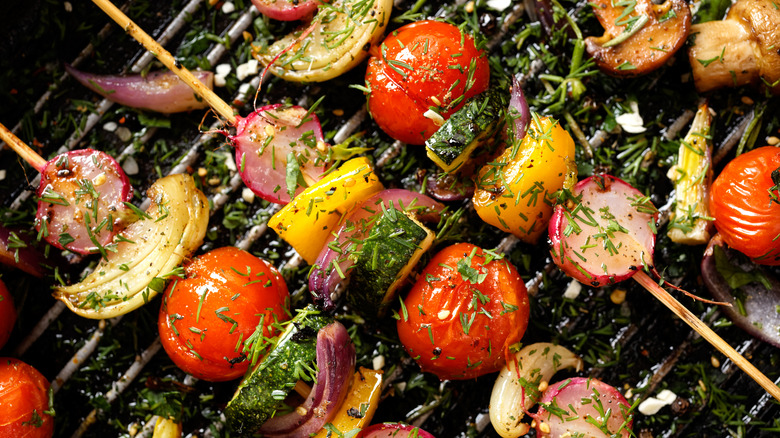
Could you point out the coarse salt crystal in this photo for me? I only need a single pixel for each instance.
(110, 126)
(130, 166)
(124, 133)
(2, 174)
(651, 405)
(378, 362)
(219, 81)
(499, 5)
(244, 89)
(573, 290)
(223, 69)
(248, 195)
(249, 68)
(228, 7)
(229, 162)
(631, 122)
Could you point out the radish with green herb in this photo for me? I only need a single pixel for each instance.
(603, 231)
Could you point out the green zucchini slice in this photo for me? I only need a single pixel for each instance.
(261, 393)
(390, 252)
(473, 125)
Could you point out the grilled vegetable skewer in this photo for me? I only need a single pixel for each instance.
(82, 197)
(605, 233)
(267, 142)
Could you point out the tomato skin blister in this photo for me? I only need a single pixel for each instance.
(81, 200)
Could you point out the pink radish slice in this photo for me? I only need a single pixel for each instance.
(265, 139)
(81, 201)
(331, 270)
(162, 92)
(583, 407)
(394, 430)
(605, 234)
(286, 10)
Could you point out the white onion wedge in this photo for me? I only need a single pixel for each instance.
(150, 251)
(520, 384)
(337, 38)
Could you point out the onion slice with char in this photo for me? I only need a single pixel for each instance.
(756, 287)
(268, 139)
(172, 228)
(335, 365)
(330, 274)
(162, 92)
(519, 110)
(81, 201)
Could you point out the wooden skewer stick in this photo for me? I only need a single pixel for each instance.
(216, 103)
(701, 328)
(24, 151)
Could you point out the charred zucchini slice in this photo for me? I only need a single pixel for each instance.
(262, 392)
(471, 126)
(390, 252)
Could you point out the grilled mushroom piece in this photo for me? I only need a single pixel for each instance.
(742, 49)
(639, 36)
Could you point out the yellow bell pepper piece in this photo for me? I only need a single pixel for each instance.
(166, 428)
(514, 192)
(310, 217)
(363, 399)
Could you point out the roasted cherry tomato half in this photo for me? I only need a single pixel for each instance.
(464, 313)
(207, 318)
(24, 401)
(745, 202)
(7, 314)
(422, 66)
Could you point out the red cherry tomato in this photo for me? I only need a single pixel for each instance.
(427, 64)
(7, 314)
(744, 202)
(24, 401)
(464, 313)
(206, 317)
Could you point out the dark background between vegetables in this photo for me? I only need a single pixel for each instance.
(636, 344)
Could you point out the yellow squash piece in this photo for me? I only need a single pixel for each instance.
(692, 178)
(166, 428)
(358, 408)
(149, 252)
(514, 192)
(310, 217)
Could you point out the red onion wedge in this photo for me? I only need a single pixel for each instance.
(518, 110)
(286, 10)
(448, 187)
(335, 365)
(162, 92)
(394, 430)
(81, 201)
(330, 273)
(265, 142)
(17, 250)
(583, 407)
(604, 232)
(728, 275)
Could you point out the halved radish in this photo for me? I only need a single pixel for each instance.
(268, 139)
(604, 232)
(286, 10)
(583, 407)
